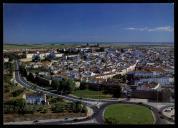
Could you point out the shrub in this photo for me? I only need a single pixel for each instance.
(83, 86)
(18, 105)
(29, 110)
(45, 110)
(55, 100)
(8, 109)
(17, 92)
(84, 109)
(58, 107)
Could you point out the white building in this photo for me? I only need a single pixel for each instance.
(29, 56)
(35, 98)
(6, 60)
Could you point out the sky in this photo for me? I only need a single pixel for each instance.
(37, 23)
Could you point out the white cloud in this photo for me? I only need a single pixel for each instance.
(131, 28)
(159, 29)
(165, 29)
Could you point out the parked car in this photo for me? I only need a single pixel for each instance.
(35, 121)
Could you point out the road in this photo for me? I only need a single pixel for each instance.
(98, 106)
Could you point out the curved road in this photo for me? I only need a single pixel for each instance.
(98, 106)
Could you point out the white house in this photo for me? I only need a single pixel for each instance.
(35, 98)
(59, 55)
(6, 59)
(29, 55)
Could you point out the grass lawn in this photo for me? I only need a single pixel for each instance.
(128, 114)
(91, 94)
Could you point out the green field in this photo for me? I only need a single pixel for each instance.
(34, 46)
(128, 114)
(66, 45)
(91, 94)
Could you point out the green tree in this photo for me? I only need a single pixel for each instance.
(17, 92)
(69, 86)
(29, 109)
(65, 86)
(84, 109)
(31, 77)
(83, 86)
(23, 70)
(11, 68)
(166, 95)
(20, 104)
(58, 107)
(17, 104)
(77, 107)
(116, 91)
(55, 84)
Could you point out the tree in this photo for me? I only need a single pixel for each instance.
(63, 86)
(11, 68)
(121, 78)
(55, 100)
(31, 77)
(17, 104)
(12, 57)
(45, 110)
(58, 107)
(69, 86)
(17, 92)
(83, 86)
(29, 109)
(20, 104)
(166, 95)
(84, 109)
(117, 91)
(77, 107)
(42, 81)
(23, 70)
(55, 84)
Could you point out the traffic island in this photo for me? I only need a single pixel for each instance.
(128, 114)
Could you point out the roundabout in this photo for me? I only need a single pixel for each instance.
(128, 114)
(99, 107)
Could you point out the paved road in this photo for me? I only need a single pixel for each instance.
(98, 106)
(29, 85)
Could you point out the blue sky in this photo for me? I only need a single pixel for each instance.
(36, 23)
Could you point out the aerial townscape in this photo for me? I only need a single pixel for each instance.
(89, 82)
